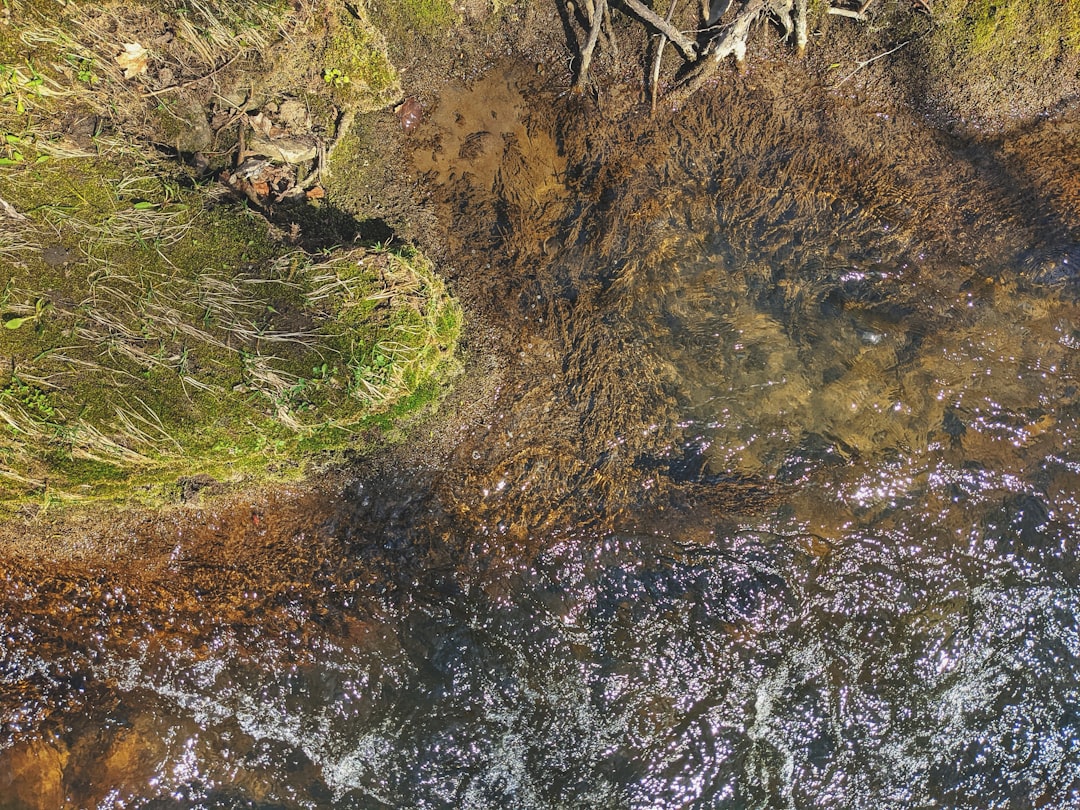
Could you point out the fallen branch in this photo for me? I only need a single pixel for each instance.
(873, 59)
(685, 45)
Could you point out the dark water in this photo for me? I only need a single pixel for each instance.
(776, 509)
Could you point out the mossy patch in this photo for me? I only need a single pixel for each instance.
(356, 67)
(404, 20)
(1004, 37)
(152, 332)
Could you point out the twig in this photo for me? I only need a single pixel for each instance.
(869, 61)
(854, 13)
(590, 44)
(685, 45)
(181, 86)
(654, 76)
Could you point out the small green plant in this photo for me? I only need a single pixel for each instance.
(35, 402)
(335, 77)
(83, 67)
(12, 153)
(19, 85)
(15, 320)
(15, 150)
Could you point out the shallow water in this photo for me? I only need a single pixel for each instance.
(776, 507)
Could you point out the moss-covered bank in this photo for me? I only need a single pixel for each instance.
(151, 334)
(167, 321)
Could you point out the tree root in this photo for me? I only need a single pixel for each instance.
(702, 56)
(597, 13)
(654, 74)
(730, 42)
(686, 46)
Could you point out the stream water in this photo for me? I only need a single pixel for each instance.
(774, 506)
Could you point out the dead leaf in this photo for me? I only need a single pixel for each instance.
(261, 187)
(132, 59)
(316, 193)
(261, 123)
(10, 211)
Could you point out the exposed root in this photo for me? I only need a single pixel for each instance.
(710, 40)
(590, 44)
(654, 74)
(730, 42)
(192, 82)
(685, 45)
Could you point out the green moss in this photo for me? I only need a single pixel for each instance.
(356, 67)
(174, 338)
(404, 20)
(1004, 34)
(995, 58)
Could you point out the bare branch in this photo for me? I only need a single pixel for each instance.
(685, 45)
